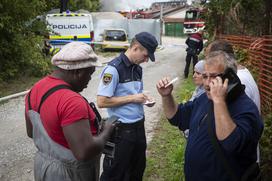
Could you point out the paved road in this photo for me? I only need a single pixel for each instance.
(17, 150)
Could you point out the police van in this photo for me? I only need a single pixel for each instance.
(67, 27)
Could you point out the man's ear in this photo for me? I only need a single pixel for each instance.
(135, 47)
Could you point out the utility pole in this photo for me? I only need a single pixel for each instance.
(63, 5)
(161, 21)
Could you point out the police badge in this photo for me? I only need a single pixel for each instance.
(107, 78)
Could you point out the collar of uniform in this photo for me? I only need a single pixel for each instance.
(125, 60)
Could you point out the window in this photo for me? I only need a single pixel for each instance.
(115, 35)
(191, 15)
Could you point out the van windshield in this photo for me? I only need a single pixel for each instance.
(115, 35)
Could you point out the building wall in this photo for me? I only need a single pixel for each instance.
(173, 23)
(173, 29)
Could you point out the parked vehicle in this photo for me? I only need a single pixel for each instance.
(115, 39)
(67, 27)
(194, 20)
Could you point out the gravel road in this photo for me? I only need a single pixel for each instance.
(17, 150)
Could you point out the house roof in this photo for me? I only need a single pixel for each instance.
(175, 16)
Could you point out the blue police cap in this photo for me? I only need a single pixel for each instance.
(148, 41)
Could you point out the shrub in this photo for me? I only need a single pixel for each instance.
(23, 56)
(266, 148)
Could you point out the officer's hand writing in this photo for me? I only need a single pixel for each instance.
(218, 89)
(150, 102)
(161, 87)
(139, 98)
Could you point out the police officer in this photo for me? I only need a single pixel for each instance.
(195, 46)
(121, 92)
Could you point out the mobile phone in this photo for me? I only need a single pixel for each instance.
(232, 77)
(235, 87)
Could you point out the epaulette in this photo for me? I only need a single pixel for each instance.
(115, 62)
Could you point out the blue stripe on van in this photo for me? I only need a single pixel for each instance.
(62, 42)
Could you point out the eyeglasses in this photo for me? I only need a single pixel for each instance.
(212, 76)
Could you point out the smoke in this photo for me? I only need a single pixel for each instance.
(126, 5)
(189, 2)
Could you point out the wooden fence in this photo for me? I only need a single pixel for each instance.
(259, 61)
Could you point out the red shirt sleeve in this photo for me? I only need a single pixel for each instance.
(73, 109)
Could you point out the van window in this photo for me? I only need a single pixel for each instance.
(115, 35)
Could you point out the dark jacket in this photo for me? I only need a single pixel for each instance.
(195, 44)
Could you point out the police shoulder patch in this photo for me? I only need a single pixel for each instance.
(107, 78)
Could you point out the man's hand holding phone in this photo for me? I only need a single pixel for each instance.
(218, 89)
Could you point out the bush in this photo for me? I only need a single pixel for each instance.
(266, 148)
(23, 56)
(241, 54)
(34, 62)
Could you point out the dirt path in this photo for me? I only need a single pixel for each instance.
(17, 150)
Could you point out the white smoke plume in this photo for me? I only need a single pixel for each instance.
(126, 5)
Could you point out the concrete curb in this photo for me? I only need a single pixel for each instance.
(13, 96)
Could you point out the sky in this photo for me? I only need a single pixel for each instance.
(126, 5)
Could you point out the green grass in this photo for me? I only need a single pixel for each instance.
(185, 90)
(265, 148)
(23, 83)
(165, 153)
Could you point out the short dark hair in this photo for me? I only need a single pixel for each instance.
(221, 45)
(134, 41)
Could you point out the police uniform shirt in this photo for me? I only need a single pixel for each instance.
(121, 78)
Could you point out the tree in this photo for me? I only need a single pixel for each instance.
(239, 17)
(267, 18)
(215, 17)
(17, 40)
(89, 5)
(21, 35)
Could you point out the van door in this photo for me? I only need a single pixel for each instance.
(80, 28)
